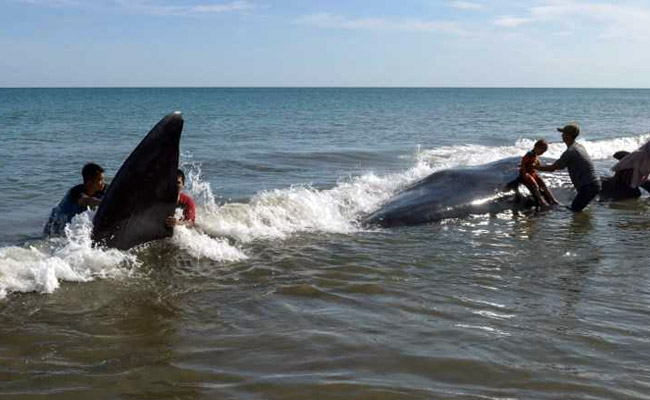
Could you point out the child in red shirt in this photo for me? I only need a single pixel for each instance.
(528, 176)
(184, 202)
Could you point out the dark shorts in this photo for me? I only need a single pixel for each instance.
(585, 195)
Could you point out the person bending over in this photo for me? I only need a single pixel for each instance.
(78, 199)
(619, 186)
(581, 169)
(184, 202)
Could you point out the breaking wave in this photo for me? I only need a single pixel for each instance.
(223, 230)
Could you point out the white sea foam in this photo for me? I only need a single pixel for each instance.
(454, 156)
(471, 154)
(73, 258)
(277, 214)
(604, 149)
(200, 245)
(222, 230)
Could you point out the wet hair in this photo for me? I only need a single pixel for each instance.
(542, 144)
(90, 171)
(181, 174)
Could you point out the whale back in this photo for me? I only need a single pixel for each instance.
(449, 193)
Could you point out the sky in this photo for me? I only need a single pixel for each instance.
(379, 43)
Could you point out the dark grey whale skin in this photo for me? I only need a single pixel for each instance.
(458, 192)
(452, 193)
(143, 192)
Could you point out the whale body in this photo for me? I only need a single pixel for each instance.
(453, 193)
(458, 192)
(143, 192)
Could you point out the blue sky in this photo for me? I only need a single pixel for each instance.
(476, 43)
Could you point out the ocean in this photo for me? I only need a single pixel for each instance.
(280, 293)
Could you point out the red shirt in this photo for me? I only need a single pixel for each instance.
(189, 208)
(527, 163)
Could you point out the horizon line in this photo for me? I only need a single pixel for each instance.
(326, 87)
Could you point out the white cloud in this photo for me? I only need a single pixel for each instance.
(51, 3)
(331, 21)
(614, 20)
(219, 8)
(509, 21)
(151, 6)
(467, 5)
(159, 9)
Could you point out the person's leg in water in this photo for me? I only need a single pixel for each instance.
(531, 185)
(584, 196)
(545, 191)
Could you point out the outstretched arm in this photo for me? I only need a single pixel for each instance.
(560, 163)
(546, 168)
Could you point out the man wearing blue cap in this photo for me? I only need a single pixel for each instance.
(581, 168)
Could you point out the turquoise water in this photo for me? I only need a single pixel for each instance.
(280, 293)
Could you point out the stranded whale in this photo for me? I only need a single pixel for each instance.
(143, 192)
(452, 193)
(458, 192)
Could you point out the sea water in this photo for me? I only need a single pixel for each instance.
(280, 293)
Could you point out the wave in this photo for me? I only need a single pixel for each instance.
(223, 230)
(279, 213)
(41, 266)
(200, 245)
(460, 155)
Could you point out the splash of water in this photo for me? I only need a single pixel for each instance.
(200, 245)
(72, 258)
(274, 214)
(280, 213)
